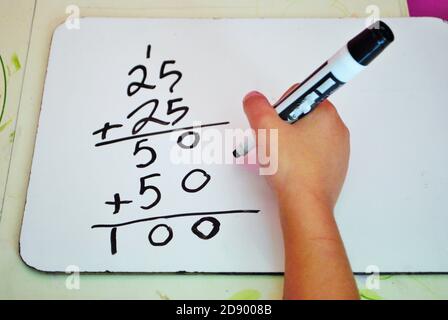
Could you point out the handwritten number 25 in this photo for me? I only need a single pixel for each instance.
(139, 125)
(135, 86)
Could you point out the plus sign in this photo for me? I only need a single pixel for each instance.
(117, 203)
(105, 129)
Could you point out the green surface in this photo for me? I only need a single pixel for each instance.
(3, 96)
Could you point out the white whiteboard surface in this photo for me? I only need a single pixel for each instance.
(392, 213)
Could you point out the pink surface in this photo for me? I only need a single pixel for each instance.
(428, 8)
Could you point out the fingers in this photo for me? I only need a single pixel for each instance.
(324, 109)
(255, 107)
(260, 113)
(326, 117)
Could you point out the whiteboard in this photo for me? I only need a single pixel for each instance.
(97, 203)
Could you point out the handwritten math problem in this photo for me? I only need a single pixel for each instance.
(153, 113)
(142, 178)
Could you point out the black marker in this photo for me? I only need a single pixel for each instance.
(338, 70)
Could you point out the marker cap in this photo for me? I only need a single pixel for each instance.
(367, 45)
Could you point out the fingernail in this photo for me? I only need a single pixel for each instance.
(250, 95)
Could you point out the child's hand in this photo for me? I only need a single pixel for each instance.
(313, 153)
(312, 163)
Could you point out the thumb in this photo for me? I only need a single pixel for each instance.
(259, 112)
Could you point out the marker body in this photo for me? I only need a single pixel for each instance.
(343, 66)
(338, 70)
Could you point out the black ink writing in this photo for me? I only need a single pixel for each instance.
(144, 135)
(141, 84)
(178, 215)
(164, 73)
(152, 153)
(140, 124)
(180, 140)
(105, 129)
(215, 228)
(154, 108)
(113, 241)
(198, 188)
(172, 110)
(144, 188)
(117, 203)
(163, 242)
(195, 228)
(148, 51)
